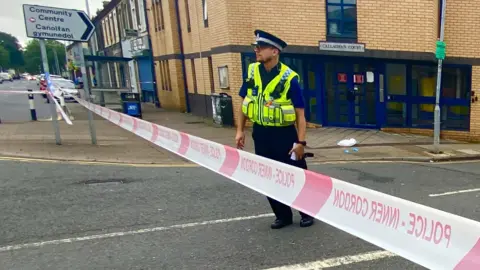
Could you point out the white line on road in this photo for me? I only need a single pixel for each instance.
(338, 261)
(455, 192)
(126, 233)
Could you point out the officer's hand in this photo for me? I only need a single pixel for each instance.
(240, 139)
(299, 150)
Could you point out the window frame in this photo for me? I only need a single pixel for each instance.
(187, 16)
(205, 13)
(340, 22)
(410, 100)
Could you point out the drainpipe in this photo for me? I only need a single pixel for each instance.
(154, 77)
(182, 56)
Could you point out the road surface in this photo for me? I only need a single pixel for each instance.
(71, 216)
(15, 107)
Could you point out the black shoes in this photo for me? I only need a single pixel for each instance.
(304, 222)
(278, 224)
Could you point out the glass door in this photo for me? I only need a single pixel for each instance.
(338, 94)
(363, 98)
(312, 92)
(351, 92)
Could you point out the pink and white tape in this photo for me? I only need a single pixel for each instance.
(424, 235)
(20, 92)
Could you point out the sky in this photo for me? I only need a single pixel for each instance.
(11, 13)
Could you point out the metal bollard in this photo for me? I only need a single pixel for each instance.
(31, 101)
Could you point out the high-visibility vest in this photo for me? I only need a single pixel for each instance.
(269, 106)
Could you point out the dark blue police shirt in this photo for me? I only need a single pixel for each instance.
(294, 93)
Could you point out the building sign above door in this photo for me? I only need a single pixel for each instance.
(341, 47)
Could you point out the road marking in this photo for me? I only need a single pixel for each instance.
(455, 192)
(338, 261)
(127, 233)
(79, 162)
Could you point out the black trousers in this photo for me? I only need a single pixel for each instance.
(275, 143)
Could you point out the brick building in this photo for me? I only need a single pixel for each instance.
(363, 64)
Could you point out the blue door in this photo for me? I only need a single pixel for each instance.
(146, 79)
(351, 94)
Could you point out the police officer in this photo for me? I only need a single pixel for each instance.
(273, 101)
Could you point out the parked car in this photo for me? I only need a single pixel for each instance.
(41, 78)
(6, 77)
(65, 86)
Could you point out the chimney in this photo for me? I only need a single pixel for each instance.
(105, 3)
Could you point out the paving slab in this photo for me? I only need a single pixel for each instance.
(36, 139)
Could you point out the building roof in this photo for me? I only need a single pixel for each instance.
(109, 7)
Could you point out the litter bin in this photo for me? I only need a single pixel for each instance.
(131, 104)
(222, 109)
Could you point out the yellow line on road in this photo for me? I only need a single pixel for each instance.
(80, 162)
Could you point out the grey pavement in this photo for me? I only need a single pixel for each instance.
(47, 202)
(15, 107)
(21, 137)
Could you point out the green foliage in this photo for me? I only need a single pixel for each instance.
(34, 63)
(11, 45)
(4, 57)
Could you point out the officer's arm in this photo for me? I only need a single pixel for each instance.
(242, 119)
(301, 123)
(295, 94)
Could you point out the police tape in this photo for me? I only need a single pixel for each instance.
(57, 105)
(20, 92)
(421, 234)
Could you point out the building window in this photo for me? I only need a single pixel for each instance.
(137, 14)
(169, 79)
(164, 71)
(424, 81)
(455, 99)
(205, 13)
(127, 16)
(158, 15)
(342, 19)
(194, 76)
(396, 90)
(112, 29)
(109, 31)
(187, 16)
(154, 14)
(210, 73)
(115, 26)
(105, 41)
(162, 22)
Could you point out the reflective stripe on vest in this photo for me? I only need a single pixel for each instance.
(270, 106)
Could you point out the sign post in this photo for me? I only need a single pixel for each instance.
(86, 90)
(43, 22)
(50, 96)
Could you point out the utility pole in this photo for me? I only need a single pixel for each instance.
(440, 54)
(53, 108)
(57, 65)
(86, 89)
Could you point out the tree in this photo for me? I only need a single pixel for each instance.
(34, 63)
(14, 49)
(4, 58)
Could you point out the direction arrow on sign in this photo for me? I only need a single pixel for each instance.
(57, 23)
